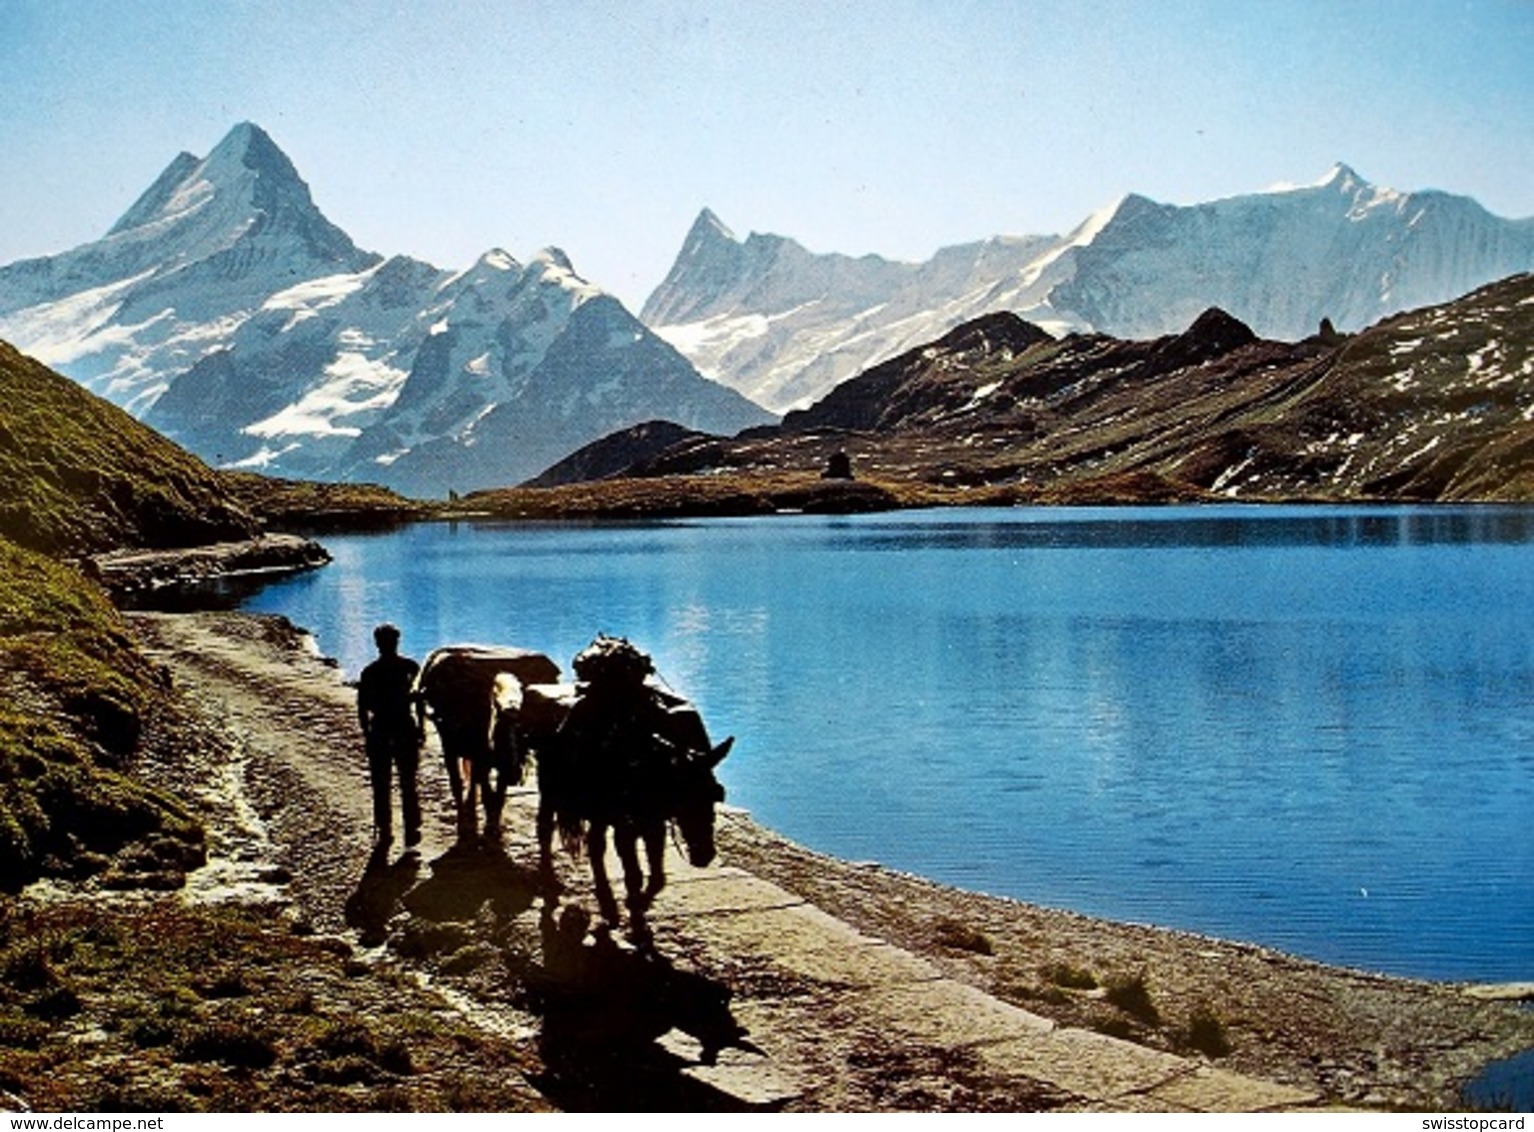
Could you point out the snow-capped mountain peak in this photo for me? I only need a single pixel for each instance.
(1341, 177)
(225, 309)
(1340, 248)
(245, 187)
(156, 198)
(555, 258)
(553, 266)
(498, 259)
(706, 230)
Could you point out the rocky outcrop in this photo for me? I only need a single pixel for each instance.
(126, 573)
(879, 398)
(615, 453)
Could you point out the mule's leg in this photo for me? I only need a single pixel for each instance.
(544, 827)
(496, 774)
(461, 783)
(627, 843)
(655, 853)
(596, 850)
(454, 777)
(468, 816)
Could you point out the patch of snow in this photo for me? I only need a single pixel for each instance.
(706, 342)
(305, 300)
(60, 332)
(357, 387)
(1477, 360)
(1229, 475)
(980, 395)
(1086, 232)
(264, 458)
(317, 294)
(188, 198)
(1379, 198)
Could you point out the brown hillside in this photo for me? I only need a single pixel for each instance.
(1432, 404)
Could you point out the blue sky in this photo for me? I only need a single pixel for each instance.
(444, 129)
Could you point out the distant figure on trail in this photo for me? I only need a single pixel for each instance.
(393, 727)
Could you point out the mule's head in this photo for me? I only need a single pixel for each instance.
(694, 793)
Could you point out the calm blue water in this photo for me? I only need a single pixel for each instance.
(1311, 728)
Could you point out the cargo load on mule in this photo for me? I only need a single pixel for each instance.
(473, 695)
(618, 751)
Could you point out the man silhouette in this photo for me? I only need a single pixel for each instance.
(393, 727)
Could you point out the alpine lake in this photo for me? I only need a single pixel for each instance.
(1306, 727)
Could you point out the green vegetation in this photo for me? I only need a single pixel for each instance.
(319, 506)
(959, 936)
(77, 695)
(82, 476)
(1204, 1033)
(1131, 995)
(222, 1010)
(1070, 977)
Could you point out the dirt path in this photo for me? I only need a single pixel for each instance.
(784, 979)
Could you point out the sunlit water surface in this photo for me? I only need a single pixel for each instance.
(1311, 728)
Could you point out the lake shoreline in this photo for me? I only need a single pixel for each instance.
(1354, 1037)
(1198, 692)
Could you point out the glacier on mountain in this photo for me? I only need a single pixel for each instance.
(225, 310)
(784, 325)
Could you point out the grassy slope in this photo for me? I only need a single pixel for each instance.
(82, 476)
(315, 506)
(74, 696)
(210, 1009)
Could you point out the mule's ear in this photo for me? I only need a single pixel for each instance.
(716, 756)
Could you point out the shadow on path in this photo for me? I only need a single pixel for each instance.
(377, 895)
(602, 1006)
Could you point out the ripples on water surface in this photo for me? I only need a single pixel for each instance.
(1312, 728)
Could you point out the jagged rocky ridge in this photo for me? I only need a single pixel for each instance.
(785, 325)
(225, 310)
(1433, 404)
